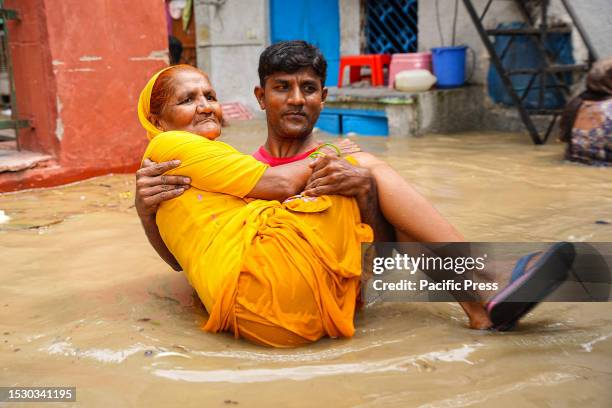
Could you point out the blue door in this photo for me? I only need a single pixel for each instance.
(314, 21)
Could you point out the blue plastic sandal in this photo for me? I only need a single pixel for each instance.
(529, 287)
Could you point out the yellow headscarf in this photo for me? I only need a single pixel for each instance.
(144, 106)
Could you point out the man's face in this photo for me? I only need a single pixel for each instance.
(292, 102)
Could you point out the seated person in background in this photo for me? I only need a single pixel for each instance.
(586, 123)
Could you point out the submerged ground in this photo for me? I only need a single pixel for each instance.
(85, 302)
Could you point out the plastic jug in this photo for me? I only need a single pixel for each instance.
(414, 80)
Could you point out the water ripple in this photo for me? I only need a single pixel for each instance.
(301, 373)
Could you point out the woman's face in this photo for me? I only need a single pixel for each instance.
(192, 106)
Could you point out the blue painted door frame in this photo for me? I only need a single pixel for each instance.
(315, 21)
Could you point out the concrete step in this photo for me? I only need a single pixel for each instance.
(507, 119)
(416, 113)
(14, 160)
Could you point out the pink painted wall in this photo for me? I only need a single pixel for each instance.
(79, 68)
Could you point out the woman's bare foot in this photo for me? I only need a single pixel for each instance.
(477, 313)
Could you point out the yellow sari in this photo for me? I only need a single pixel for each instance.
(277, 274)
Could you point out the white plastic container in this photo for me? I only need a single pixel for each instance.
(414, 80)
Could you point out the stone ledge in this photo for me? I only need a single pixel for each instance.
(417, 113)
(13, 160)
(378, 95)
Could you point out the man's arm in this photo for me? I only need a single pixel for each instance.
(286, 180)
(152, 187)
(332, 175)
(282, 182)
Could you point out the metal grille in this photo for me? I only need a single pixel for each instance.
(548, 71)
(391, 26)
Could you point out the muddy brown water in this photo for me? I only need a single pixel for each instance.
(85, 302)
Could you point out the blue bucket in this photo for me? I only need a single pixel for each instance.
(449, 65)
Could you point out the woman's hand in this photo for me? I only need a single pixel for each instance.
(152, 187)
(326, 150)
(347, 146)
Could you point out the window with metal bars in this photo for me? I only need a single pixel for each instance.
(391, 26)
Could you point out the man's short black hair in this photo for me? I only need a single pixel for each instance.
(290, 57)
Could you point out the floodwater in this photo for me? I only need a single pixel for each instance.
(85, 302)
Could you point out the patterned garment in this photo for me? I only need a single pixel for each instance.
(591, 141)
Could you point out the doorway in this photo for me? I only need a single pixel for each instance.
(314, 21)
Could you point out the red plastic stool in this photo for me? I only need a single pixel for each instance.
(355, 62)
